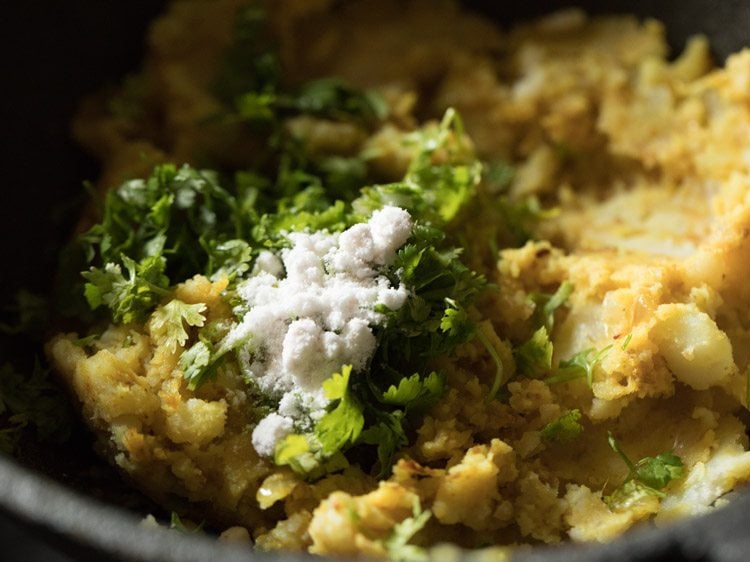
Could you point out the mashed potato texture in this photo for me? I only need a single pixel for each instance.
(646, 163)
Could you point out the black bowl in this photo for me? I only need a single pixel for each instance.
(56, 52)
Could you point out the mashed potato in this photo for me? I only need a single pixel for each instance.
(646, 162)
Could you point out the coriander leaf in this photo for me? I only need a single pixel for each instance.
(499, 379)
(256, 106)
(334, 99)
(656, 472)
(397, 544)
(565, 428)
(521, 216)
(170, 216)
(335, 387)
(408, 389)
(547, 304)
(414, 390)
(227, 258)
(629, 494)
(455, 320)
(289, 448)
(581, 365)
(167, 323)
(648, 477)
(534, 357)
(128, 298)
(389, 436)
(296, 452)
(342, 425)
(199, 362)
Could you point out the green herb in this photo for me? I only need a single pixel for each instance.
(626, 343)
(499, 379)
(200, 361)
(648, 477)
(34, 402)
(564, 429)
(534, 357)
(546, 304)
(397, 544)
(342, 425)
(520, 216)
(129, 298)
(581, 365)
(176, 524)
(168, 322)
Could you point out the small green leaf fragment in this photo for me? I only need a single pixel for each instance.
(168, 322)
(342, 425)
(564, 429)
(397, 544)
(534, 357)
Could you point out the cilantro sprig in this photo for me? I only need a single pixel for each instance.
(647, 477)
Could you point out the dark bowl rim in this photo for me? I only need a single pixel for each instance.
(72, 521)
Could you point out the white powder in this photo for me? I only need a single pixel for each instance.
(301, 328)
(269, 431)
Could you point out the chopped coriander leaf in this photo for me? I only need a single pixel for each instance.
(167, 323)
(414, 390)
(397, 544)
(521, 216)
(649, 476)
(565, 428)
(342, 425)
(200, 361)
(499, 379)
(534, 357)
(581, 365)
(546, 305)
(130, 297)
(334, 99)
(389, 436)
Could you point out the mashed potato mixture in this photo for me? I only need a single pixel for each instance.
(335, 377)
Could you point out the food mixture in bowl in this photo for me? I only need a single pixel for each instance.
(366, 277)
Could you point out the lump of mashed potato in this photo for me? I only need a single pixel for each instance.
(645, 163)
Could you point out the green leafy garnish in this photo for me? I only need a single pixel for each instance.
(342, 425)
(581, 365)
(34, 402)
(565, 428)
(397, 544)
(129, 297)
(648, 477)
(534, 357)
(546, 304)
(499, 379)
(168, 322)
